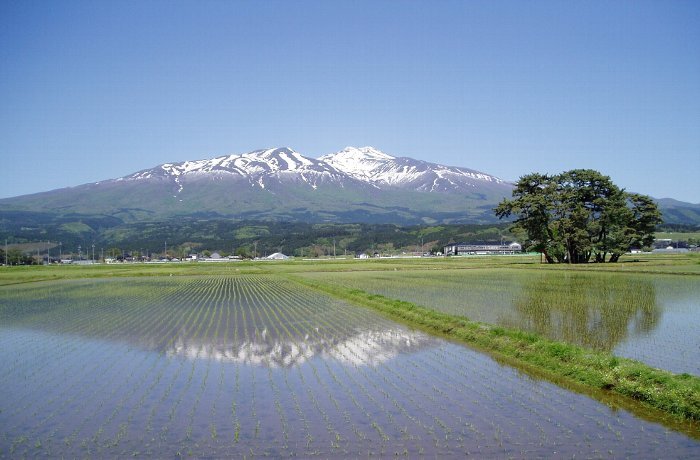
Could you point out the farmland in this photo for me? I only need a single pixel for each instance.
(651, 319)
(241, 360)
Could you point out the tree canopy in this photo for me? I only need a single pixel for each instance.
(579, 215)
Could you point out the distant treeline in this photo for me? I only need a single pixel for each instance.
(188, 235)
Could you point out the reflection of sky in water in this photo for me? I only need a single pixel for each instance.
(80, 397)
(306, 377)
(677, 331)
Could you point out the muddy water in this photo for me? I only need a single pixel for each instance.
(259, 366)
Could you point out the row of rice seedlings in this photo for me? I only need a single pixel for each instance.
(75, 396)
(141, 317)
(266, 307)
(155, 384)
(287, 319)
(212, 314)
(422, 400)
(267, 300)
(559, 416)
(182, 316)
(188, 333)
(235, 397)
(252, 430)
(227, 296)
(373, 377)
(448, 390)
(45, 362)
(189, 308)
(374, 402)
(46, 386)
(272, 295)
(337, 440)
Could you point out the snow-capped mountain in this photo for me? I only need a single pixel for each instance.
(353, 185)
(255, 167)
(365, 165)
(377, 168)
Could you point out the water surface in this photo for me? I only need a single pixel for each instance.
(257, 365)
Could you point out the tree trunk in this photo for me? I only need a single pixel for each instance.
(547, 257)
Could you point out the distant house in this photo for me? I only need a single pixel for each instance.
(277, 256)
(214, 257)
(456, 249)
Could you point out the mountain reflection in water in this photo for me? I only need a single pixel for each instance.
(369, 347)
(223, 319)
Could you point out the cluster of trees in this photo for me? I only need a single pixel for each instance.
(15, 257)
(578, 216)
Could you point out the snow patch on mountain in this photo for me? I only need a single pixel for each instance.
(365, 166)
(382, 170)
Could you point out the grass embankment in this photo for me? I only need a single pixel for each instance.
(671, 393)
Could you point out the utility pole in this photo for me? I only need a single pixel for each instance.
(6, 252)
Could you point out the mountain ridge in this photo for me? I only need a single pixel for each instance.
(356, 184)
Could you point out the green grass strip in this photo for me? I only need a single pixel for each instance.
(676, 394)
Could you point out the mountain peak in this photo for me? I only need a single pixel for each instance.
(369, 153)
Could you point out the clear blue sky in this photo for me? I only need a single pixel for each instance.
(99, 89)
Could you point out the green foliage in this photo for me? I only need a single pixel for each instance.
(15, 256)
(186, 235)
(580, 215)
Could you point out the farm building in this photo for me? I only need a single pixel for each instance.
(455, 249)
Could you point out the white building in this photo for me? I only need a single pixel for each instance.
(455, 249)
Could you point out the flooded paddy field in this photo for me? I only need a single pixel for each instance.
(257, 365)
(652, 318)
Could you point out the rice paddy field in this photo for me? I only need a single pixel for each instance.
(247, 364)
(650, 318)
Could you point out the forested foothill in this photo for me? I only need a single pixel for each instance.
(180, 237)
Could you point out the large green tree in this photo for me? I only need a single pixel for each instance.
(579, 215)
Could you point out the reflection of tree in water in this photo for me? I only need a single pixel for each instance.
(592, 311)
